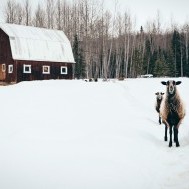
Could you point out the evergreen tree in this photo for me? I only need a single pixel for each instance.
(81, 64)
(136, 69)
(154, 57)
(147, 57)
(184, 65)
(78, 56)
(160, 68)
(141, 29)
(176, 52)
(169, 57)
(112, 65)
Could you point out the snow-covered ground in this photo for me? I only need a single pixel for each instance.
(80, 135)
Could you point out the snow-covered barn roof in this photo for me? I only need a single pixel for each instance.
(38, 44)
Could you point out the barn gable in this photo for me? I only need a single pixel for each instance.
(38, 44)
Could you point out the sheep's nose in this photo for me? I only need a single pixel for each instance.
(159, 97)
(171, 89)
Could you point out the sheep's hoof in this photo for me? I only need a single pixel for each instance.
(165, 138)
(170, 144)
(177, 144)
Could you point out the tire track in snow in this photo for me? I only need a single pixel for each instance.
(147, 112)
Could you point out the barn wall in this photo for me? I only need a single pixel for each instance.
(5, 58)
(11, 77)
(37, 71)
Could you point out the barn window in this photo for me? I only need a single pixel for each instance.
(3, 67)
(26, 68)
(10, 69)
(46, 69)
(64, 70)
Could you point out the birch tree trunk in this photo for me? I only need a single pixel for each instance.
(39, 17)
(27, 13)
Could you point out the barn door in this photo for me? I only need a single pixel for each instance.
(2, 72)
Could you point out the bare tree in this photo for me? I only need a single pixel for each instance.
(10, 14)
(19, 14)
(39, 17)
(59, 15)
(127, 23)
(27, 13)
(50, 10)
(112, 35)
(186, 32)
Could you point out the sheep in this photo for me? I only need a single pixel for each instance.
(159, 98)
(172, 110)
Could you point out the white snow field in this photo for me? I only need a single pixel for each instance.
(62, 134)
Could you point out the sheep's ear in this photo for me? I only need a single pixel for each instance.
(162, 93)
(178, 82)
(164, 83)
(156, 93)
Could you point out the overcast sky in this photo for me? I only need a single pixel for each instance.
(146, 10)
(143, 10)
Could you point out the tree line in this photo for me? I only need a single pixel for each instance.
(108, 45)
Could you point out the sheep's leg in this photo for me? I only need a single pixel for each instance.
(166, 127)
(165, 133)
(159, 119)
(170, 140)
(179, 123)
(176, 136)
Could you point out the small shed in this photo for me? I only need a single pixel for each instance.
(30, 53)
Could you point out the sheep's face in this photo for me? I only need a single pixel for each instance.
(171, 86)
(159, 95)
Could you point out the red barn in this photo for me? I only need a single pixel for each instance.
(29, 53)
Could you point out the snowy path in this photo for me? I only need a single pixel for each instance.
(73, 134)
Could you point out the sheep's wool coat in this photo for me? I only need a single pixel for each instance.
(158, 104)
(176, 105)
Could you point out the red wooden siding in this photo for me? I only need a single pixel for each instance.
(37, 71)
